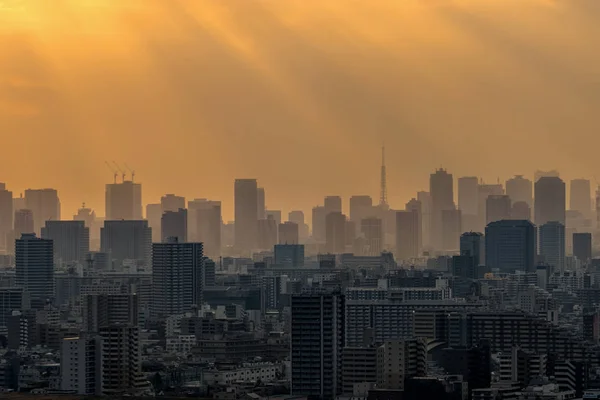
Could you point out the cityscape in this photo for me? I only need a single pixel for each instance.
(299, 199)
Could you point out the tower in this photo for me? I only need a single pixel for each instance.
(383, 191)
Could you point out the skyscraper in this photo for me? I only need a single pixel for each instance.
(267, 233)
(545, 174)
(552, 244)
(520, 210)
(360, 207)
(123, 201)
(510, 245)
(127, 240)
(171, 202)
(44, 204)
(442, 198)
(177, 277)
(486, 190)
(34, 264)
(549, 200)
(246, 214)
(335, 233)
(498, 207)
(582, 247)
(408, 230)
(317, 338)
(319, 214)
(261, 203)
(88, 217)
(425, 199)
(468, 201)
(205, 225)
(23, 222)
(288, 233)
(276, 215)
(6, 216)
(372, 230)
(297, 217)
(451, 229)
(581, 197)
(174, 224)
(472, 244)
(291, 255)
(71, 240)
(333, 204)
(153, 216)
(520, 189)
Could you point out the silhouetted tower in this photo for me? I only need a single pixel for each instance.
(383, 193)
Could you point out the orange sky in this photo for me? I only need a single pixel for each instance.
(299, 94)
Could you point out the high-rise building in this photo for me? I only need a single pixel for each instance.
(582, 247)
(335, 233)
(246, 214)
(360, 207)
(472, 244)
(297, 217)
(317, 338)
(261, 203)
(267, 233)
(19, 203)
(288, 233)
(153, 216)
(498, 207)
(468, 195)
(451, 229)
(80, 361)
(99, 310)
(45, 205)
(510, 245)
(23, 224)
(425, 199)
(520, 210)
(127, 240)
(177, 277)
(333, 204)
(319, 215)
(552, 244)
(205, 225)
(88, 217)
(123, 201)
(442, 199)
(6, 217)
(12, 298)
(34, 264)
(291, 255)
(174, 224)
(399, 360)
(581, 197)
(372, 230)
(485, 190)
(549, 200)
(276, 215)
(171, 202)
(408, 235)
(545, 174)
(520, 189)
(71, 241)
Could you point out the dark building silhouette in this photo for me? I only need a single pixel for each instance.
(174, 224)
(34, 265)
(582, 247)
(335, 241)
(550, 200)
(510, 245)
(246, 214)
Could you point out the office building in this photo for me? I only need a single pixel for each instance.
(520, 189)
(468, 201)
(545, 174)
(205, 225)
(288, 233)
(582, 247)
(498, 207)
(71, 241)
(360, 207)
(408, 235)
(174, 224)
(177, 277)
(34, 264)
(11, 298)
(399, 360)
(472, 244)
(425, 199)
(23, 223)
(6, 217)
(317, 338)
(123, 201)
(100, 309)
(127, 240)
(274, 214)
(246, 214)
(333, 204)
(267, 233)
(290, 255)
(154, 216)
(451, 229)
(549, 200)
(90, 221)
(372, 230)
(171, 202)
(319, 215)
(552, 245)
(261, 205)
(442, 199)
(581, 197)
(80, 365)
(297, 217)
(484, 191)
(520, 210)
(45, 205)
(510, 245)
(335, 233)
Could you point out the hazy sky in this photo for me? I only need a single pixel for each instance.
(299, 94)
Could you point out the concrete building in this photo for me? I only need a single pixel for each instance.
(123, 201)
(127, 240)
(399, 360)
(34, 264)
(267, 233)
(288, 233)
(71, 241)
(408, 235)
(174, 224)
(359, 366)
(335, 233)
(81, 365)
(171, 202)
(205, 225)
(154, 216)
(246, 214)
(520, 189)
(581, 197)
(441, 188)
(45, 205)
(6, 217)
(552, 245)
(510, 245)
(472, 244)
(104, 309)
(550, 204)
(291, 255)
(497, 207)
(372, 229)
(582, 247)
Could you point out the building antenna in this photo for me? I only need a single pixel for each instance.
(383, 189)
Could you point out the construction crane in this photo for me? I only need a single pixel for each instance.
(131, 171)
(112, 170)
(120, 170)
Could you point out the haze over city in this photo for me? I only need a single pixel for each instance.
(193, 94)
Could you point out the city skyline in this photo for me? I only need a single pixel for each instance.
(313, 100)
